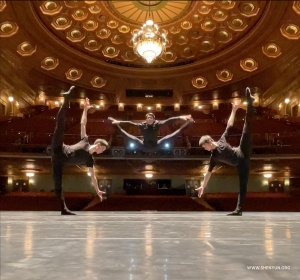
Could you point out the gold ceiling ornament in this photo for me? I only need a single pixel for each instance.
(2, 5)
(26, 49)
(49, 63)
(148, 42)
(162, 12)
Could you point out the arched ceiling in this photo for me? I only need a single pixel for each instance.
(211, 44)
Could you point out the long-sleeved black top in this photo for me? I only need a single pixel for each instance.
(225, 153)
(78, 154)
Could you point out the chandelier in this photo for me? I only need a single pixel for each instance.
(148, 42)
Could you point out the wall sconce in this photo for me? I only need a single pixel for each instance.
(177, 107)
(215, 106)
(9, 181)
(139, 107)
(121, 107)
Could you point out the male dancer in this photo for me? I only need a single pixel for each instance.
(149, 130)
(78, 154)
(236, 156)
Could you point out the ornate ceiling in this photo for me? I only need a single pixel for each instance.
(211, 44)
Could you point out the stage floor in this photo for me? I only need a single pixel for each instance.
(149, 246)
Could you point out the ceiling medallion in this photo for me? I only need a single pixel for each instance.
(148, 42)
(150, 3)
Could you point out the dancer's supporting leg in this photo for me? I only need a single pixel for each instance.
(57, 153)
(246, 148)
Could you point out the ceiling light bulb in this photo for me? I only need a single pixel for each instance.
(149, 22)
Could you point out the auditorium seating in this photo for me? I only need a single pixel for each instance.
(43, 201)
(256, 201)
(38, 127)
(78, 201)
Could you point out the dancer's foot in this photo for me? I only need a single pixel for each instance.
(66, 211)
(249, 96)
(191, 120)
(235, 213)
(69, 91)
(63, 207)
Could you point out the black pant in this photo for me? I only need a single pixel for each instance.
(246, 147)
(139, 144)
(58, 156)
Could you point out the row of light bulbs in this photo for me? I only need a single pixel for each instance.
(140, 106)
(147, 175)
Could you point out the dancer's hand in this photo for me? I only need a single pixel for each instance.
(186, 117)
(100, 193)
(236, 104)
(87, 104)
(200, 191)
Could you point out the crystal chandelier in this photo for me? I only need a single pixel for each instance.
(148, 42)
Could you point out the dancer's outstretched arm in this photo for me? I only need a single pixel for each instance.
(83, 122)
(95, 183)
(204, 184)
(114, 121)
(185, 118)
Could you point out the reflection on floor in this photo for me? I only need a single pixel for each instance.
(149, 245)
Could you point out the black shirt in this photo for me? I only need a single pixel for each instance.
(225, 153)
(150, 132)
(78, 154)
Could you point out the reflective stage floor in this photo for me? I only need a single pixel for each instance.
(149, 246)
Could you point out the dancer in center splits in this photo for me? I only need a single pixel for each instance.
(78, 154)
(239, 156)
(149, 130)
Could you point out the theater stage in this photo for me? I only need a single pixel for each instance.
(149, 245)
